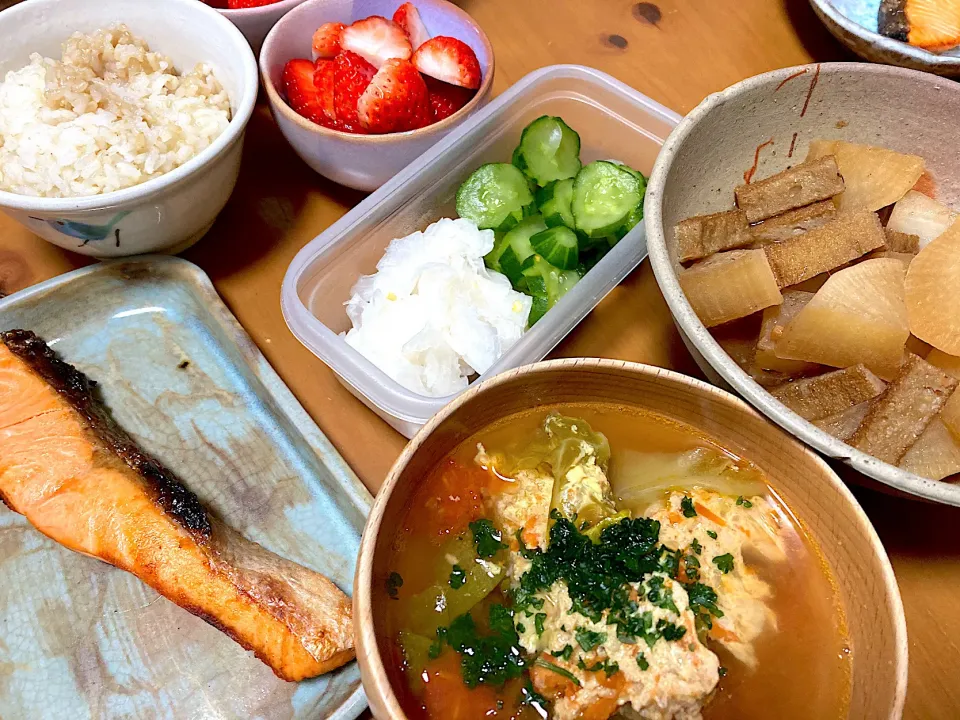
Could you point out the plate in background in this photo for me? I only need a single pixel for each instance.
(854, 23)
(80, 639)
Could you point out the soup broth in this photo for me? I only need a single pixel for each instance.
(771, 643)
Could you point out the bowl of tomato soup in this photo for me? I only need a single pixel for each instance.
(593, 539)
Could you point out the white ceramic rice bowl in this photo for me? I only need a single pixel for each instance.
(168, 213)
(705, 157)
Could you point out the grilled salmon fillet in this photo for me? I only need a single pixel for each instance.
(81, 480)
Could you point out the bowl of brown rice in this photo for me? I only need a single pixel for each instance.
(121, 124)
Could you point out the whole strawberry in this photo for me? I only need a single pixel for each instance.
(351, 76)
(396, 99)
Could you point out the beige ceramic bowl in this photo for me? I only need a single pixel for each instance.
(363, 162)
(255, 22)
(706, 156)
(813, 492)
(167, 213)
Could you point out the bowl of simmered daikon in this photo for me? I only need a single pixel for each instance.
(599, 539)
(803, 228)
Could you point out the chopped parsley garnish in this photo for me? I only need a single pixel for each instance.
(669, 631)
(744, 502)
(538, 621)
(564, 654)
(602, 577)
(724, 563)
(394, 583)
(457, 577)
(686, 505)
(491, 658)
(659, 595)
(691, 568)
(487, 538)
(712, 534)
(521, 627)
(696, 546)
(642, 662)
(608, 667)
(703, 604)
(547, 665)
(589, 639)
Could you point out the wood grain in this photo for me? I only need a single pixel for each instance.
(695, 47)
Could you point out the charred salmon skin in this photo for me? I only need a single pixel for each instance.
(80, 479)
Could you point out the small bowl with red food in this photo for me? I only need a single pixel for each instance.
(254, 18)
(360, 89)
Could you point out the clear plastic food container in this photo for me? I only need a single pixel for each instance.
(614, 122)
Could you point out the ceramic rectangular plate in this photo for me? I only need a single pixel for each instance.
(80, 639)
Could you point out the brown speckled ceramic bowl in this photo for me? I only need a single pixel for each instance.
(826, 509)
(767, 122)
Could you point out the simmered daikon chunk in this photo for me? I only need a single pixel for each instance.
(951, 414)
(905, 258)
(847, 238)
(933, 292)
(901, 414)
(873, 177)
(920, 215)
(703, 235)
(806, 183)
(834, 392)
(730, 285)
(947, 363)
(775, 318)
(858, 316)
(935, 454)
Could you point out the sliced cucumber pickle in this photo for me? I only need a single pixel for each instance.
(517, 247)
(558, 246)
(604, 195)
(549, 150)
(554, 202)
(494, 196)
(546, 284)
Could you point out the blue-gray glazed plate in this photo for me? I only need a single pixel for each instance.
(81, 640)
(854, 23)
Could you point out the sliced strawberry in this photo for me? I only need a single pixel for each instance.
(408, 17)
(301, 92)
(352, 74)
(448, 59)
(219, 4)
(446, 99)
(243, 4)
(396, 99)
(326, 40)
(376, 40)
(323, 80)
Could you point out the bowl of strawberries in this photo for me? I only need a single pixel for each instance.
(360, 88)
(253, 18)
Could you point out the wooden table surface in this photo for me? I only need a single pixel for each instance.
(676, 52)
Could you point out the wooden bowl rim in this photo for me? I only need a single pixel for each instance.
(375, 680)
